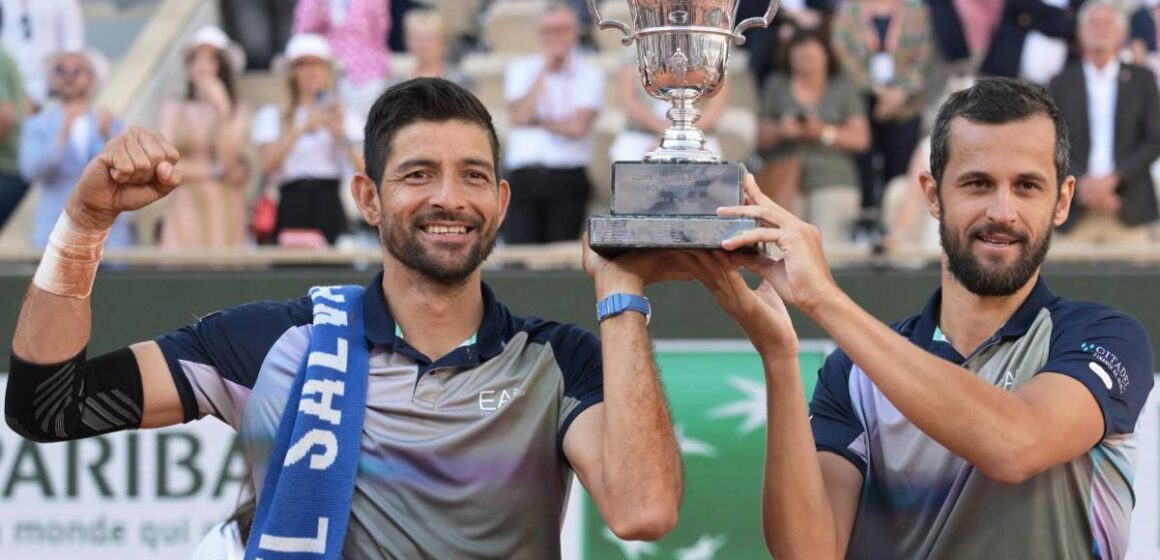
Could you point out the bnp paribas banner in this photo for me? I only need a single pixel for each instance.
(153, 494)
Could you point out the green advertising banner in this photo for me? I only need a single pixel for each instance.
(717, 392)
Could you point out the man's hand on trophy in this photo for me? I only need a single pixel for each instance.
(801, 276)
(759, 312)
(630, 271)
(135, 169)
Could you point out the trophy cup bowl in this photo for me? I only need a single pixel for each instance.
(670, 199)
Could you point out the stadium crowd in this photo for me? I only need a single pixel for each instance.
(831, 107)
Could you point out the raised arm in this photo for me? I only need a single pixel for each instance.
(624, 450)
(123, 389)
(1009, 436)
(809, 498)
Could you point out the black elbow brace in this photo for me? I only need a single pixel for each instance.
(75, 399)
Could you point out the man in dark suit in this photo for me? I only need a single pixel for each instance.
(1020, 17)
(1113, 113)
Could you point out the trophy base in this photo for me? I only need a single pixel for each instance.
(613, 233)
(669, 205)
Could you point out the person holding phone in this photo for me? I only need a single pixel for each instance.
(307, 146)
(208, 125)
(812, 124)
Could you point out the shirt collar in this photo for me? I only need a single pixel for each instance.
(1107, 74)
(381, 328)
(1040, 296)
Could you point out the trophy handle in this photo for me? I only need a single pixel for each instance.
(629, 34)
(746, 25)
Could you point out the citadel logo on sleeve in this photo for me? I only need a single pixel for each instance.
(1107, 367)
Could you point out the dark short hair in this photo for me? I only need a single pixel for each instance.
(420, 99)
(996, 101)
(801, 37)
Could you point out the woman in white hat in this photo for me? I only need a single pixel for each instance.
(208, 126)
(307, 146)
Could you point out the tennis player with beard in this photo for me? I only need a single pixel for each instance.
(474, 418)
(996, 423)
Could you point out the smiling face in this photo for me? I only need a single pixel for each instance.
(998, 202)
(441, 206)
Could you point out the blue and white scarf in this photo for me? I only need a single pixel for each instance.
(305, 502)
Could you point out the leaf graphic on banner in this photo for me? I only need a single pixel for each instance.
(692, 446)
(705, 548)
(751, 406)
(632, 550)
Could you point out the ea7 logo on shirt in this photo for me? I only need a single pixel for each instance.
(492, 400)
(1109, 367)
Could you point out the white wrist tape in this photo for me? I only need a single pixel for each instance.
(70, 260)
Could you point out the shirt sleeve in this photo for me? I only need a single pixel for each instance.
(770, 105)
(833, 420)
(354, 126)
(267, 125)
(578, 355)
(852, 103)
(40, 153)
(215, 361)
(591, 96)
(518, 78)
(1110, 353)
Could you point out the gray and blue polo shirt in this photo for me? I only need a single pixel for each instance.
(921, 501)
(461, 455)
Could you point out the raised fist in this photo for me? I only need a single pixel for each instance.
(135, 169)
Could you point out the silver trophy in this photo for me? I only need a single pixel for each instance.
(671, 198)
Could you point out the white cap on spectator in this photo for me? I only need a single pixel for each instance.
(210, 35)
(306, 45)
(213, 36)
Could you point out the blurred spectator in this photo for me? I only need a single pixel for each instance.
(885, 48)
(208, 126)
(1032, 40)
(13, 106)
(979, 20)
(905, 209)
(33, 30)
(1113, 114)
(307, 147)
(57, 142)
(948, 31)
(262, 27)
(426, 42)
(399, 9)
(812, 123)
(553, 98)
(357, 32)
(646, 120)
(1143, 35)
(763, 44)
(904, 206)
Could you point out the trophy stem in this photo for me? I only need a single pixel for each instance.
(683, 141)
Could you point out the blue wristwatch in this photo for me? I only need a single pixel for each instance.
(616, 304)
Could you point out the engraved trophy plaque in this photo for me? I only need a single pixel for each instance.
(670, 199)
